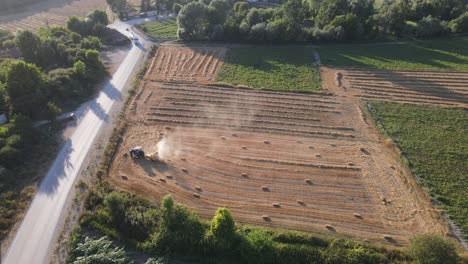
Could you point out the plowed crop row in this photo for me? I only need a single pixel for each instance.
(441, 88)
(194, 64)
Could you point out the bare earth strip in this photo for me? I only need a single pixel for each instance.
(439, 88)
(42, 15)
(283, 160)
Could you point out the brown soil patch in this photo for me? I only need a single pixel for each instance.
(324, 169)
(48, 14)
(439, 88)
(188, 64)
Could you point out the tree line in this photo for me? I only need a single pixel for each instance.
(321, 20)
(60, 66)
(171, 229)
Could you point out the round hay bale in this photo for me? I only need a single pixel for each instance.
(266, 218)
(311, 147)
(265, 188)
(169, 176)
(300, 202)
(167, 127)
(223, 137)
(234, 135)
(162, 179)
(243, 147)
(308, 181)
(183, 159)
(244, 175)
(276, 205)
(357, 215)
(318, 155)
(125, 178)
(198, 188)
(196, 195)
(184, 170)
(350, 164)
(266, 142)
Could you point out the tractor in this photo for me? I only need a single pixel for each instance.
(137, 153)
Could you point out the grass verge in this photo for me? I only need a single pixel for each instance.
(166, 29)
(435, 143)
(449, 54)
(273, 68)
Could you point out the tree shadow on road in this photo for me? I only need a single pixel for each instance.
(61, 168)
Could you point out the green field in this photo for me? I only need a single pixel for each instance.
(449, 54)
(435, 142)
(273, 68)
(166, 29)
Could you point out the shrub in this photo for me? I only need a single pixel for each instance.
(99, 251)
(432, 249)
(346, 252)
(257, 247)
(10, 156)
(298, 254)
(180, 230)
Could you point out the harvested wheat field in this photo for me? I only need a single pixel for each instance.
(308, 162)
(429, 87)
(48, 14)
(188, 64)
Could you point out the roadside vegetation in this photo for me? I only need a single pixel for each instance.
(434, 143)
(449, 53)
(277, 68)
(59, 68)
(171, 230)
(160, 30)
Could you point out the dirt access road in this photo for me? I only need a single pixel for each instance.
(309, 162)
(48, 13)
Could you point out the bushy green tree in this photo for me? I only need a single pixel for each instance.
(192, 21)
(351, 25)
(24, 88)
(98, 16)
(241, 9)
(29, 45)
(222, 225)
(217, 12)
(328, 10)
(432, 249)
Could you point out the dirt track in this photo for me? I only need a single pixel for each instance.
(284, 160)
(53, 13)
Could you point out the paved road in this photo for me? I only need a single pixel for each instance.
(37, 233)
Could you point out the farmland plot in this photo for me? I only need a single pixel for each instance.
(308, 162)
(438, 88)
(188, 64)
(42, 15)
